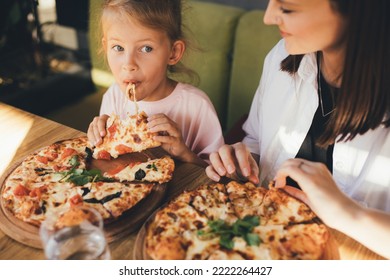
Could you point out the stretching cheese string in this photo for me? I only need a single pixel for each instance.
(131, 91)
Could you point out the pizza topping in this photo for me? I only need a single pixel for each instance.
(123, 149)
(42, 171)
(152, 166)
(42, 159)
(136, 138)
(112, 129)
(241, 228)
(104, 199)
(20, 190)
(75, 200)
(140, 174)
(89, 153)
(68, 152)
(103, 155)
(80, 177)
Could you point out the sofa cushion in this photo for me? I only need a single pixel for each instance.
(248, 58)
(101, 74)
(212, 28)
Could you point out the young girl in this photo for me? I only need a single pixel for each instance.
(322, 111)
(143, 41)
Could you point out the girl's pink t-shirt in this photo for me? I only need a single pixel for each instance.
(187, 105)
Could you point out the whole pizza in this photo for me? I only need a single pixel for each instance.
(235, 221)
(59, 177)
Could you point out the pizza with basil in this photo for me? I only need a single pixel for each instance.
(59, 177)
(235, 221)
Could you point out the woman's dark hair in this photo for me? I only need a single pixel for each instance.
(364, 97)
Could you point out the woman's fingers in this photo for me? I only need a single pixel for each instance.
(212, 174)
(217, 164)
(232, 159)
(241, 154)
(296, 193)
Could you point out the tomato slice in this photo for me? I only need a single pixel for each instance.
(68, 152)
(75, 200)
(42, 159)
(21, 190)
(104, 155)
(123, 149)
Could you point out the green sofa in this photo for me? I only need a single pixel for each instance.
(233, 43)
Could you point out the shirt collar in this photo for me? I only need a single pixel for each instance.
(307, 70)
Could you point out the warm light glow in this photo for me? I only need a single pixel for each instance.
(18, 126)
(102, 78)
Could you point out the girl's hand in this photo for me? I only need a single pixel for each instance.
(97, 130)
(320, 191)
(170, 136)
(232, 159)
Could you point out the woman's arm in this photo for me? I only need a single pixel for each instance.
(368, 226)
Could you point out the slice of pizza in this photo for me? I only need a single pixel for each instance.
(35, 201)
(157, 170)
(246, 198)
(165, 239)
(47, 164)
(278, 207)
(213, 201)
(125, 136)
(115, 197)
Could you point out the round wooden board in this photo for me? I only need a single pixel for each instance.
(131, 221)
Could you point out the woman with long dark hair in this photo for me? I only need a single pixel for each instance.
(320, 117)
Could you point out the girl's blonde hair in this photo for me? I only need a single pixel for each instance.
(162, 15)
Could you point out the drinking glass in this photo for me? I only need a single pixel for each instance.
(78, 236)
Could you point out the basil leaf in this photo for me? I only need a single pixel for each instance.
(74, 161)
(79, 180)
(241, 228)
(255, 221)
(252, 239)
(226, 241)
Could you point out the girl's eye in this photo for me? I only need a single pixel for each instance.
(117, 48)
(146, 49)
(285, 11)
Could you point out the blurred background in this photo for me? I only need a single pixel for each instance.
(45, 61)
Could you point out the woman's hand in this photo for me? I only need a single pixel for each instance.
(170, 136)
(232, 159)
(97, 130)
(320, 191)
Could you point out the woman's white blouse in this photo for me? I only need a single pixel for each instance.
(279, 120)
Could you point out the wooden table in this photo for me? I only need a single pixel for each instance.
(23, 133)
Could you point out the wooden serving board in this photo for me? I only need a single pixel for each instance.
(131, 221)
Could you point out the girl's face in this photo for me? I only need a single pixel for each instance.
(307, 25)
(140, 55)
